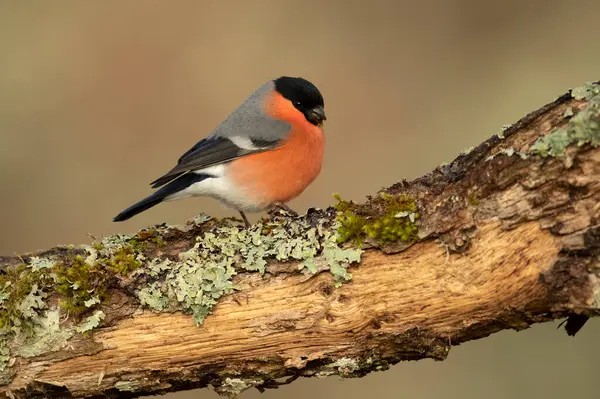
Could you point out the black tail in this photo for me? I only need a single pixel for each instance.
(173, 187)
(139, 207)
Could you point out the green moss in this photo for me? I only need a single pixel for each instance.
(97, 246)
(82, 284)
(582, 128)
(140, 241)
(387, 218)
(351, 225)
(79, 282)
(123, 261)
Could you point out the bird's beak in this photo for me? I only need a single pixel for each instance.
(316, 115)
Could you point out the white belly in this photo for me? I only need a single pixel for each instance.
(219, 187)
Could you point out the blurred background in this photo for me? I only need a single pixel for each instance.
(97, 99)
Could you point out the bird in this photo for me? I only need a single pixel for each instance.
(264, 154)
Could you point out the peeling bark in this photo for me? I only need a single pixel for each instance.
(504, 241)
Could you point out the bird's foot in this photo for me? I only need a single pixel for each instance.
(278, 206)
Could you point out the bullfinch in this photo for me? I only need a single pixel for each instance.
(264, 154)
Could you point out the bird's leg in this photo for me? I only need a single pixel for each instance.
(246, 222)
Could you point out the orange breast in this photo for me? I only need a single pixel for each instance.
(281, 174)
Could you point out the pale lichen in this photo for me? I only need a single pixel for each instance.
(467, 151)
(36, 263)
(22, 298)
(504, 129)
(583, 92)
(235, 386)
(110, 244)
(91, 322)
(152, 296)
(509, 152)
(47, 335)
(582, 128)
(194, 283)
(91, 302)
(568, 112)
(336, 259)
(34, 302)
(344, 367)
(4, 354)
(127, 386)
(203, 274)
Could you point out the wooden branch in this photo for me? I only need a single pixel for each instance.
(505, 236)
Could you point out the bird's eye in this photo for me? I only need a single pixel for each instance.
(297, 104)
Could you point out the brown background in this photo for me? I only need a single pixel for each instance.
(99, 98)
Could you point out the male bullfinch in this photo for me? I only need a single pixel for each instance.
(265, 153)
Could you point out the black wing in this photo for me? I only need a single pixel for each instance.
(210, 151)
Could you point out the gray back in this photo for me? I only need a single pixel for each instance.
(249, 119)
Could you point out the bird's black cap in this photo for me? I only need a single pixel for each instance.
(303, 94)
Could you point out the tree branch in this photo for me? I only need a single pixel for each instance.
(505, 236)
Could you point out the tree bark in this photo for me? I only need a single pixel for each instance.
(506, 235)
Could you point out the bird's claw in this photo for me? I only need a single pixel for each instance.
(276, 208)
